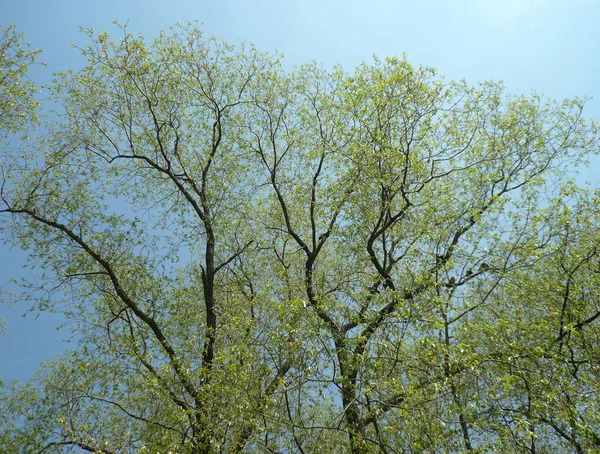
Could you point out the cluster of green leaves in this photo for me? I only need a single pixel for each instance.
(17, 101)
(261, 260)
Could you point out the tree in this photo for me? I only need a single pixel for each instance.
(261, 260)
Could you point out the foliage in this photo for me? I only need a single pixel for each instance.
(261, 260)
(17, 101)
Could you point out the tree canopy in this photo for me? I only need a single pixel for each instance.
(257, 259)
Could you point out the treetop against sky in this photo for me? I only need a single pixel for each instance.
(302, 259)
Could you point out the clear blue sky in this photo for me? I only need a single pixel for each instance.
(550, 46)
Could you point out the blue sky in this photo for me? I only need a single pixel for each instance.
(550, 46)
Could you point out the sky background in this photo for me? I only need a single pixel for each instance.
(550, 46)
